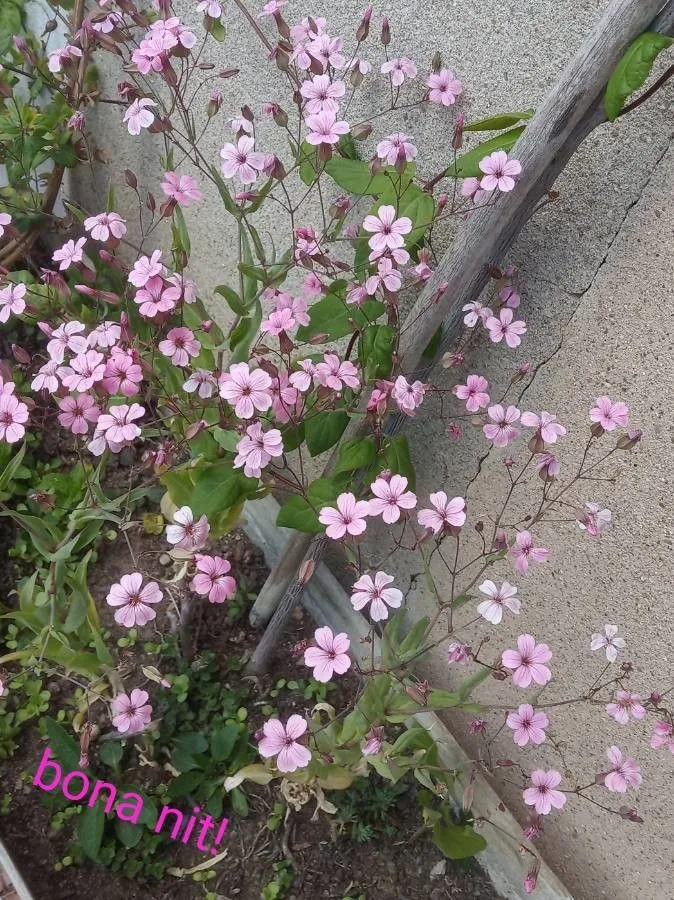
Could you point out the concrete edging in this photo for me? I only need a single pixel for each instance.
(17, 883)
(327, 601)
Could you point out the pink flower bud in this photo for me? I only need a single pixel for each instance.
(364, 28)
(385, 32)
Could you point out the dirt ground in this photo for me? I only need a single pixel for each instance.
(327, 864)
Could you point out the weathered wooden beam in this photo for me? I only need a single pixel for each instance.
(569, 113)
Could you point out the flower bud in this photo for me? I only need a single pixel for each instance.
(436, 62)
(214, 104)
(457, 139)
(364, 28)
(130, 179)
(50, 26)
(629, 439)
(229, 73)
(20, 355)
(150, 202)
(385, 32)
(282, 59)
(361, 132)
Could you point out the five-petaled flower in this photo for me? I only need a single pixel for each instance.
(625, 772)
(446, 513)
(387, 230)
(523, 550)
(499, 597)
(608, 639)
(132, 598)
(185, 532)
(179, 345)
(527, 662)
(246, 389)
(391, 498)
(499, 171)
(183, 189)
(501, 430)
(474, 392)
(12, 301)
(256, 448)
(242, 160)
(377, 593)
(13, 416)
(212, 578)
(546, 425)
(282, 741)
(347, 518)
(105, 225)
(624, 704)
(69, 253)
(444, 87)
(663, 736)
(139, 115)
(610, 415)
(503, 328)
(131, 714)
(527, 725)
(397, 147)
(542, 795)
(329, 656)
(399, 69)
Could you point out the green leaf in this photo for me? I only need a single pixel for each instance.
(302, 514)
(192, 743)
(633, 70)
(42, 535)
(111, 753)
(10, 23)
(396, 457)
(233, 300)
(376, 348)
(181, 237)
(225, 196)
(499, 121)
(415, 738)
(223, 741)
(239, 802)
(329, 316)
(467, 165)
(442, 700)
(323, 430)
(129, 834)
(354, 176)
(242, 337)
(458, 841)
(468, 685)
(64, 747)
(90, 825)
(184, 784)
(357, 453)
(420, 208)
(11, 468)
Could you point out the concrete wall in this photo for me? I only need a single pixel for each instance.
(596, 280)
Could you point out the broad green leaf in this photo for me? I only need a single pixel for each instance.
(184, 784)
(323, 430)
(458, 841)
(64, 747)
(357, 453)
(467, 165)
(420, 208)
(242, 337)
(633, 70)
(329, 316)
(442, 700)
(415, 738)
(499, 121)
(301, 514)
(90, 825)
(239, 802)
(129, 834)
(226, 197)
(111, 753)
(396, 457)
(226, 439)
(233, 300)
(42, 535)
(468, 685)
(223, 741)
(193, 742)
(376, 348)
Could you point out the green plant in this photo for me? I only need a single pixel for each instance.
(278, 887)
(367, 806)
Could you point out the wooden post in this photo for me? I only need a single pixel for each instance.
(569, 113)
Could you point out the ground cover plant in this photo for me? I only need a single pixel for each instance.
(168, 422)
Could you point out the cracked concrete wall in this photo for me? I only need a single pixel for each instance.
(596, 281)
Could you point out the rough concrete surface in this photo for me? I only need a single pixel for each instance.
(596, 275)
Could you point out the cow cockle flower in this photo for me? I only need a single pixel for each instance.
(625, 772)
(377, 593)
(257, 448)
(132, 713)
(283, 742)
(347, 518)
(528, 661)
(501, 597)
(527, 725)
(624, 705)
(329, 656)
(246, 389)
(131, 598)
(543, 794)
(212, 578)
(12, 301)
(391, 498)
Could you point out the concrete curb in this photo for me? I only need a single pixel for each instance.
(16, 889)
(328, 603)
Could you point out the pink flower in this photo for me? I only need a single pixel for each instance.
(132, 599)
(610, 415)
(286, 401)
(471, 188)
(397, 147)
(324, 128)
(283, 740)
(145, 268)
(139, 115)
(377, 594)
(399, 69)
(546, 425)
(475, 312)
(499, 172)
(458, 653)
(501, 429)
(326, 50)
(272, 7)
(256, 449)
(388, 277)
(77, 412)
(246, 390)
(179, 345)
(202, 382)
(105, 224)
(625, 772)
(387, 230)
(156, 297)
(527, 725)
(301, 380)
(609, 641)
(84, 371)
(663, 736)
(445, 88)
(131, 714)
(280, 321)
(524, 549)
(330, 656)
(527, 662)
(185, 533)
(66, 337)
(105, 335)
(374, 740)
(122, 374)
(347, 518)
(13, 416)
(391, 498)
(474, 392)
(211, 8)
(46, 378)
(241, 160)
(212, 579)
(595, 520)
(626, 703)
(11, 301)
(446, 513)
(548, 465)
(58, 58)
(492, 609)
(182, 188)
(408, 396)
(69, 253)
(504, 327)
(509, 296)
(335, 374)
(117, 425)
(321, 94)
(543, 796)
(5, 220)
